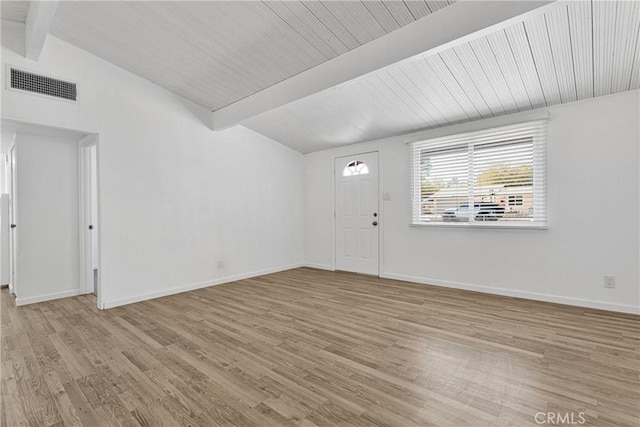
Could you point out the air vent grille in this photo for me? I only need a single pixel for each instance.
(44, 85)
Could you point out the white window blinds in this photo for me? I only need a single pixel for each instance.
(491, 177)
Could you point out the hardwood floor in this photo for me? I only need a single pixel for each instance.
(308, 347)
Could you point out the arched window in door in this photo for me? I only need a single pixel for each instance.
(356, 167)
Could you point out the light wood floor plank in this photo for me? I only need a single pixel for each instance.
(314, 348)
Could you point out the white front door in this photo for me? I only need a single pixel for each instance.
(357, 215)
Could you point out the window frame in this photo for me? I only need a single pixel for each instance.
(535, 130)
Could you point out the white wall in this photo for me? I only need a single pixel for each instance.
(593, 205)
(6, 140)
(48, 249)
(176, 197)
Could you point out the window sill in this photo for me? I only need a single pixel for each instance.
(480, 226)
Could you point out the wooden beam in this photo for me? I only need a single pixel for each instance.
(452, 25)
(37, 25)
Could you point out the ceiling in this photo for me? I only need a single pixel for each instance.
(14, 10)
(577, 50)
(218, 52)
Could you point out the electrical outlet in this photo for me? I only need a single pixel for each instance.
(609, 281)
(220, 265)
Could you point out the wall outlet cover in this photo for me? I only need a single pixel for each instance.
(609, 282)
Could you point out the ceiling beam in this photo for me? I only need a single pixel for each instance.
(37, 25)
(450, 26)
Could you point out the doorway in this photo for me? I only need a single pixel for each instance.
(357, 216)
(89, 214)
(53, 184)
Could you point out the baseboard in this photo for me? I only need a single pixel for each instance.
(319, 266)
(194, 286)
(48, 297)
(630, 309)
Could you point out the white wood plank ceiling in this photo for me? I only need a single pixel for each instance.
(578, 50)
(14, 10)
(217, 52)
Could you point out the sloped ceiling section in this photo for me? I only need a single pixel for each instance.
(576, 51)
(217, 52)
(14, 10)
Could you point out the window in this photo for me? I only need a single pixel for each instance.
(355, 167)
(500, 172)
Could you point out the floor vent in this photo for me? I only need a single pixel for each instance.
(23, 80)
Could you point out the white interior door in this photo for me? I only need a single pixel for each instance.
(13, 231)
(89, 213)
(93, 207)
(357, 216)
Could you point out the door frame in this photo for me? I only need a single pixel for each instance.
(84, 209)
(82, 136)
(13, 209)
(381, 216)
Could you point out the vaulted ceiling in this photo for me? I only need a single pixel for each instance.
(225, 54)
(575, 51)
(217, 52)
(15, 10)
